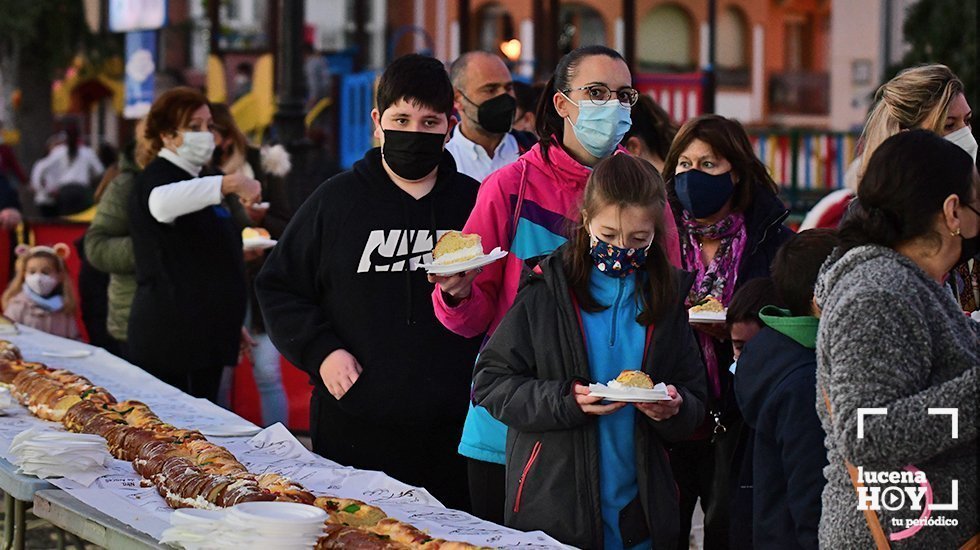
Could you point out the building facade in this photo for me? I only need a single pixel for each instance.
(787, 63)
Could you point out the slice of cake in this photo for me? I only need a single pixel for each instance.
(455, 247)
(632, 379)
(709, 305)
(254, 233)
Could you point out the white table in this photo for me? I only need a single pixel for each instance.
(68, 513)
(118, 496)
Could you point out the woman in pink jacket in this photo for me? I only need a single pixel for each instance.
(528, 208)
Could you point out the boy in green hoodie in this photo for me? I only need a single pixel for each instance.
(775, 387)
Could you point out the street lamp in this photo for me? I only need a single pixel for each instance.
(710, 77)
(289, 122)
(511, 49)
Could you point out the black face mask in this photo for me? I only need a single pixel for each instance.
(412, 155)
(971, 245)
(970, 249)
(703, 194)
(496, 115)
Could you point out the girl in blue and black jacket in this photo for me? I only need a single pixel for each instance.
(591, 473)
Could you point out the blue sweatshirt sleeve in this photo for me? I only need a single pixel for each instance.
(291, 284)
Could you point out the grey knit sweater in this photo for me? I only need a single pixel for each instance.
(891, 337)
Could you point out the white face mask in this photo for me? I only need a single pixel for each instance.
(965, 140)
(41, 283)
(197, 147)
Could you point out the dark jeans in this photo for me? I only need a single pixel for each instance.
(424, 456)
(697, 473)
(487, 489)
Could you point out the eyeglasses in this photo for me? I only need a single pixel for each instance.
(975, 211)
(599, 94)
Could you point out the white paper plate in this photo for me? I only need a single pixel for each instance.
(6, 400)
(452, 269)
(249, 540)
(195, 517)
(633, 395)
(707, 316)
(70, 354)
(251, 528)
(280, 512)
(230, 430)
(258, 244)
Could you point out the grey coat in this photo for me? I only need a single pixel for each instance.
(891, 337)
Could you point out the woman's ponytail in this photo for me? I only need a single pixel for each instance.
(549, 124)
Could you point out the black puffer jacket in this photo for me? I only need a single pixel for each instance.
(524, 378)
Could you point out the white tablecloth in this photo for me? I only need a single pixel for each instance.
(274, 449)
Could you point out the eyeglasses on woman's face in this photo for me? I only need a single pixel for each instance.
(599, 94)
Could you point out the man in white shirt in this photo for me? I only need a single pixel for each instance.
(64, 165)
(484, 99)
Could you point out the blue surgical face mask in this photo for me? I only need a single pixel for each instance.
(617, 262)
(600, 128)
(703, 194)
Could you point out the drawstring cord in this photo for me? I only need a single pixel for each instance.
(408, 272)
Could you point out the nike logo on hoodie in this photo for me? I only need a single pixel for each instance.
(397, 250)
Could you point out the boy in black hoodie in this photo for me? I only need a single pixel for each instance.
(775, 385)
(344, 298)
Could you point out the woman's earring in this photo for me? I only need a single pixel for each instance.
(956, 233)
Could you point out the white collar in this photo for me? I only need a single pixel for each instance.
(180, 161)
(506, 144)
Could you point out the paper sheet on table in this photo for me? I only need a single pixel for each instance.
(276, 450)
(119, 494)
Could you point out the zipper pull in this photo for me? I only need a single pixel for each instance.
(720, 428)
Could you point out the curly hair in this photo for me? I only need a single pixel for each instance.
(170, 112)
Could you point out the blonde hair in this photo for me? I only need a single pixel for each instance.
(918, 97)
(56, 254)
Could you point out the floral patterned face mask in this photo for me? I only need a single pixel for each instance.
(617, 262)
